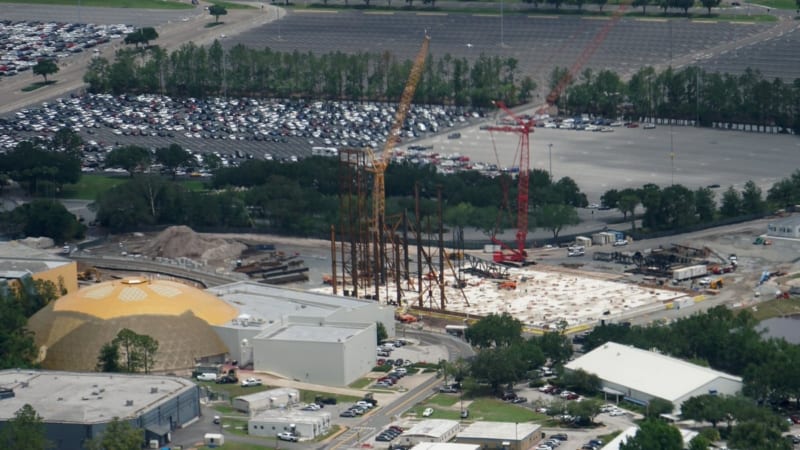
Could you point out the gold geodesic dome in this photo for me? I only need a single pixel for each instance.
(70, 331)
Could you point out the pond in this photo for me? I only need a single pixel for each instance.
(787, 328)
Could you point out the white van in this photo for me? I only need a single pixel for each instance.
(207, 376)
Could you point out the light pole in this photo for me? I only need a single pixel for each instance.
(550, 159)
(672, 161)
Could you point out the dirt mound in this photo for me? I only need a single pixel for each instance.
(182, 241)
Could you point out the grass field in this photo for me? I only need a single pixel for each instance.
(90, 185)
(229, 5)
(776, 308)
(487, 409)
(443, 400)
(37, 85)
(133, 4)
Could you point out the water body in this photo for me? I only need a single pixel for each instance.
(787, 328)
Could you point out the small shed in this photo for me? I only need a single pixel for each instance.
(584, 241)
(213, 439)
(264, 400)
(305, 424)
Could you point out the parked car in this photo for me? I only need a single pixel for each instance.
(325, 400)
(448, 390)
(384, 437)
(251, 382)
(217, 420)
(464, 413)
(207, 377)
(560, 436)
(287, 436)
(519, 400)
(347, 413)
(427, 412)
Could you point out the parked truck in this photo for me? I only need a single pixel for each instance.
(687, 273)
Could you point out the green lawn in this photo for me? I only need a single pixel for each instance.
(776, 308)
(360, 383)
(37, 85)
(443, 399)
(230, 5)
(235, 426)
(134, 4)
(240, 446)
(226, 410)
(90, 185)
(309, 396)
(486, 409)
(778, 4)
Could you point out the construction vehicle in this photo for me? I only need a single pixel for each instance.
(762, 241)
(90, 274)
(517, 255)
(508, 285)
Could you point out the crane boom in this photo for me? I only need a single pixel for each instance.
(379, 164)
(524, 128)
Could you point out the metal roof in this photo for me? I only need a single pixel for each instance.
(316, 333)
(645, 371)
(85, 398)
(434, 428)
(506, 431)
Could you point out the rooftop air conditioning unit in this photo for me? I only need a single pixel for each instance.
(128, 402)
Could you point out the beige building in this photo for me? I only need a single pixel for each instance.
(501, 435)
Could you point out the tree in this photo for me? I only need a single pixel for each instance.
(699, 442)
(610, 198)
(498, 366)
(708, 4)
(654, 434)
(139, 350)
(216, 11)
(752, 203)
(118, 435)
(131, 158)
(45, 67)
(658, 406)
(556, 346)
(45, 217)
(173, 157)
(586, 410)
(141, 36)
(731, 203)
(555, 217)
(704, 204)
(705, 408)
(642, 3)
(25, 431)
(108, 359)
(757, 435)
(494, 331)
(628, 201)
(580, 381)
(380, 331)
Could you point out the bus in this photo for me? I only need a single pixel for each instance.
(456, 330)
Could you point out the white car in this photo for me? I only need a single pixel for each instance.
(207, 377)
(428, 412)
(616, 412)
(620, 243)
(649, 126)
(251, 382)
(287, 436)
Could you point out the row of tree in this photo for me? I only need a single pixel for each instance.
(128, 352)
(689, 94)
(198, 71)
(677, 207)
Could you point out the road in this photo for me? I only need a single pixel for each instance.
(130, 264)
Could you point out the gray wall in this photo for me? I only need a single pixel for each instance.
(181, 409)
(722, 386)
(367, 314)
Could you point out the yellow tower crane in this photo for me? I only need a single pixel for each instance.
(379, 164)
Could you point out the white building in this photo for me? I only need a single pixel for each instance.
(445, 446)
(264, 400)
(429, 430)
(501, 435)
(640, 375)
(305, 424)
(311, 337)
(788, 227)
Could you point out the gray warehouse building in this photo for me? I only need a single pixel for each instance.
(76, 407)
(788, 227)
(311, 337)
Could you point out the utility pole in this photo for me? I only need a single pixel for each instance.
(550, 159)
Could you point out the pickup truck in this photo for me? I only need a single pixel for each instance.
(251, 382)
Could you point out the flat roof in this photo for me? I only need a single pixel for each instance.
(72, 397)
(292, 415)
(266, 395)
(432, 427)
(645, 371)
(445, 446)
(506, 431)
(621, 438)
(315, 333)
(265, 304)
